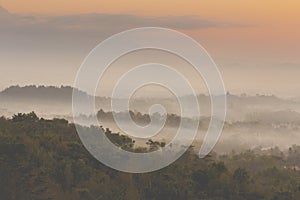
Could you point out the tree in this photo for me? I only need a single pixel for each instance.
(241, 176)
(30, 117)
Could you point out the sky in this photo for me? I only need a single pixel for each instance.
(256, 44)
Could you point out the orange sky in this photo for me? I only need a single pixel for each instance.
(247, 11)
(273, 17)
(276, 22)
(271, 34)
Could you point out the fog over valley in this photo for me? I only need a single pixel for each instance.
(252, 121)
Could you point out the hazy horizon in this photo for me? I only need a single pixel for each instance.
(48, 49)
(154, 100)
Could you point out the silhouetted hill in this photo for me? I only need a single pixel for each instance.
(45, 93)
(50, 100)
(45, 100)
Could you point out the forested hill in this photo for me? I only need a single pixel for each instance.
(57, 101)
(44, 159)
(43, 93)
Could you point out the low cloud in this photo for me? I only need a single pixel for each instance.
(101, 22)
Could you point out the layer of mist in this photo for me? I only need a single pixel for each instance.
(260, 121)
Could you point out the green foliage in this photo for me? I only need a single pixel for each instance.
(44, 159)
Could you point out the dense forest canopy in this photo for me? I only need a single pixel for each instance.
(45, 159)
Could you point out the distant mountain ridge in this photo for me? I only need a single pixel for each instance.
(42, 92)
(51, 100)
